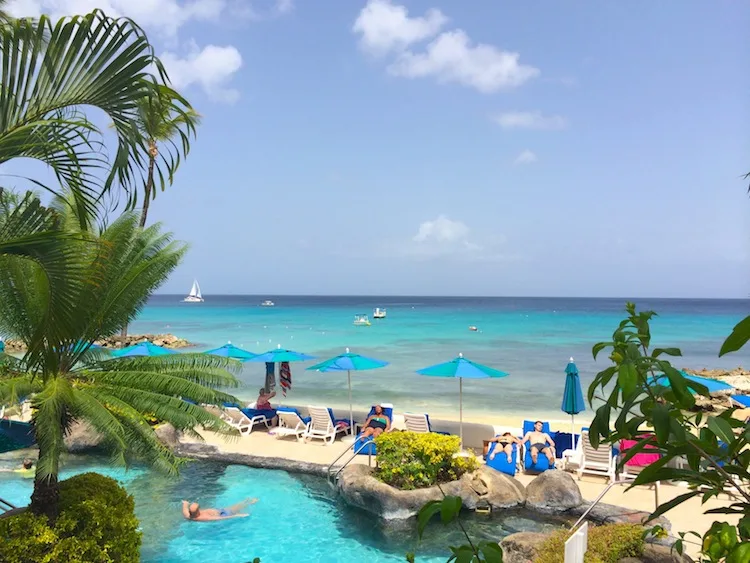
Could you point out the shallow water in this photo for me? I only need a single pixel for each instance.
(296, 519)
(531, 338)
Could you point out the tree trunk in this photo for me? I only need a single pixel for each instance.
(45, 500)
(153, 152)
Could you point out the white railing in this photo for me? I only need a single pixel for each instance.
(575, 547)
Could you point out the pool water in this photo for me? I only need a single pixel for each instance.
(297, 518)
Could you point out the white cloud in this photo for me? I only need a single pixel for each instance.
(163, 16)
(441, 230)
(262, 9)
(450, 56)
(385, 27)
(526, 157)
(211, 68)
(530, 120)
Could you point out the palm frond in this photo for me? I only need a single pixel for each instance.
(13, 389)
(51, 408)
(48, 70)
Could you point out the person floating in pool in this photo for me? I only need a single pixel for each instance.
(376, 424)
(193, 511)
(26, 470)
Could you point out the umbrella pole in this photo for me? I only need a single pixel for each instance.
(351, 407)
(461, 411)
(572, 430)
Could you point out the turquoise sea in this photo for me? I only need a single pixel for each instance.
(531, 338)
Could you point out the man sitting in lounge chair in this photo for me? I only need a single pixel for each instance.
(540, 442)
(505, 444)
(376, 424)
(196, 513)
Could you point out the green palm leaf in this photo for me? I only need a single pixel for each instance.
(48, 72)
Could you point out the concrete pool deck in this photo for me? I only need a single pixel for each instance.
(688, 516)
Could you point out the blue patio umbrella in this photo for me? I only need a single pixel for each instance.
(572, 400)
(142, 349)
(229, 350)
(713, 385)
(461, 368)
(281, 355)
(348, 362)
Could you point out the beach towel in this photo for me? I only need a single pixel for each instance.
(285, 377)
(641, 459)
(270, 377)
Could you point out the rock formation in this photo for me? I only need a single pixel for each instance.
(114, 342)
(553, 490)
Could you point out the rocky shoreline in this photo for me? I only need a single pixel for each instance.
(114, 342)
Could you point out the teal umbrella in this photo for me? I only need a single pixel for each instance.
(461, 368)
(348, 362)
(229, 350)
(142, 349)
(281, 355)
(572, 401)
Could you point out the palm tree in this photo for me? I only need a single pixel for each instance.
(48, 73)
(121, 266)
(167, 122)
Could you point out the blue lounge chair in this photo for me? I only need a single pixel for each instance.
(369, 448)
(500, 463)
(542, 463)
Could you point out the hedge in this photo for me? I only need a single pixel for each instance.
(606, 544)
(97, 524)
(411, 460)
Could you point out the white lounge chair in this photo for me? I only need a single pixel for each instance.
(237, 419)
(290, 424)
(322, 426)
(419, 423)
(597, 461)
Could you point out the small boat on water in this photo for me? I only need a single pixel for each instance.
(378, 313)
(195, 294)
(473, 328)
(361, 320)
(267, 303)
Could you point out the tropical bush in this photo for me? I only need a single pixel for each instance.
(606, 544)
(411, 460)
(641, 390)
(96, 524)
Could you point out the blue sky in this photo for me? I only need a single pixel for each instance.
(446, 147)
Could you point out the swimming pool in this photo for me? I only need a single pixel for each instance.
(297, 518)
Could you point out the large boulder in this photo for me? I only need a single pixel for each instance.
(486, 487)
(167, 435)
(81, 438)
(521, 547)
(553, 490)
(653, 553)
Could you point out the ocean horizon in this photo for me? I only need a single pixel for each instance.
(531, 338)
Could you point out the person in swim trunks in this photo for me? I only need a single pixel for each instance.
(376, 424)
(505, 444)
(540, 442)
(193, 511)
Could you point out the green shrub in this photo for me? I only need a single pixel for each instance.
(410, 460)
(606, 544)
(97, 524)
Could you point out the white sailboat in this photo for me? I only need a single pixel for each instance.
(195, 294)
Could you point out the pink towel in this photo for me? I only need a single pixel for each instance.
(285, 376)
(641, 459)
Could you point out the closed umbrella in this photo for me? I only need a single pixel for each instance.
(572, 401)
(229, 350)
(142, 349)
(348, 362)
(461, 368)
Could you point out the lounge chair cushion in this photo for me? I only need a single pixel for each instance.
(305, 419)
(370, 449)
(500, 463)
(542, 463)
(251, 413)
